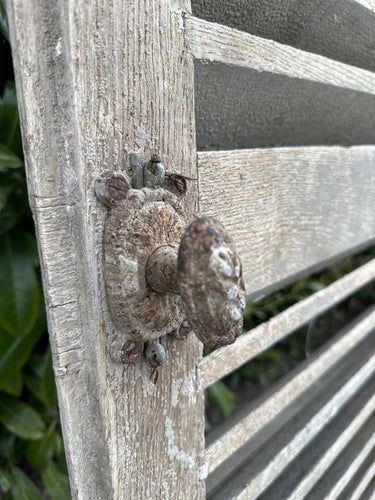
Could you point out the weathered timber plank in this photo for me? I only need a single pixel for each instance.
(362, 486)
(218, 43)
(95, 82)
(226, 359)
(301, 382)
(352, 378)
(238, 108)
(345, 466)
(338, 30)
(290, 210)
(297, 481)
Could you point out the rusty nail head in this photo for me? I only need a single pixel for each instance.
(117, 188)
(184, 330)
(130, 351)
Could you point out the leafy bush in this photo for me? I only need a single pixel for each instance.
(32, 460)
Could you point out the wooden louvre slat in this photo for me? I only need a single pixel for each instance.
(290, 210)
(297, 481)
(352, 378)
(344, 467)
(299, 384)
(362, 487)
(339, 30)
(218, 43)
(226, 359)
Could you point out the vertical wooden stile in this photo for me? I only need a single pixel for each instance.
(97, 81)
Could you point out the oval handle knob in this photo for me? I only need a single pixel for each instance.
(206, 271)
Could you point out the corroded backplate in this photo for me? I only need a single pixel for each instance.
(135, 227)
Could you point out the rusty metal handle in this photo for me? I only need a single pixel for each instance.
(207, 273)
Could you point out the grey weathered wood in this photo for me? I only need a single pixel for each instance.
(316, 470)
(235, 433)
(218, 43)
(290, 210)
(362, 486)
(97, 81)
(345, 466)
(352, 378)
(223, 361)
(239, 108)
(339, 30)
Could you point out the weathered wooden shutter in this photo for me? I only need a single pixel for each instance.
(284, 120)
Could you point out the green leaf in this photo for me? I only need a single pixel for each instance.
(3, 21)
(15, 351)
(14, 384)
(6, 187)
(223, 398)
(19, 288)
(5, 481)
(8, 159)
(22, 487)
(20, 418)
(7, 445)
(42, 384)
(10, 133)
(56, 483)
(27, 241)
(8, 217)
(40, 452)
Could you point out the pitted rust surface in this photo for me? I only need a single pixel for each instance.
(144, 221)
(211, 284)
(161, 270)
(111, 187)
(156, 275)
(130, 351)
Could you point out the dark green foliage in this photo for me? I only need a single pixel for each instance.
(32, 461)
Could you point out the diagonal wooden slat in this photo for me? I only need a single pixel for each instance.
(339, 30)
(226, 359)
(300, 383)
(345, 466)
(218, 43)
(362, 487)
(337, 390)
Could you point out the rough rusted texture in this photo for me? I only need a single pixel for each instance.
(153, 172)
(176, 183)
(161, 270)
(210, 280)
(130, 351)
(184, 330)
(134, 229)
(111, 187)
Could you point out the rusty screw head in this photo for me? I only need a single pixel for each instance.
(130, 351)
(111, 188)
(184, 330)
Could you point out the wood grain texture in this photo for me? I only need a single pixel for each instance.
(238, 108)
(362, 487)
(348, 390)
(346, 465)
(96, 83)
(232, 436)
(299, 478)
(339, 30)
(218, 43)
(223, 361)
(290, 210)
